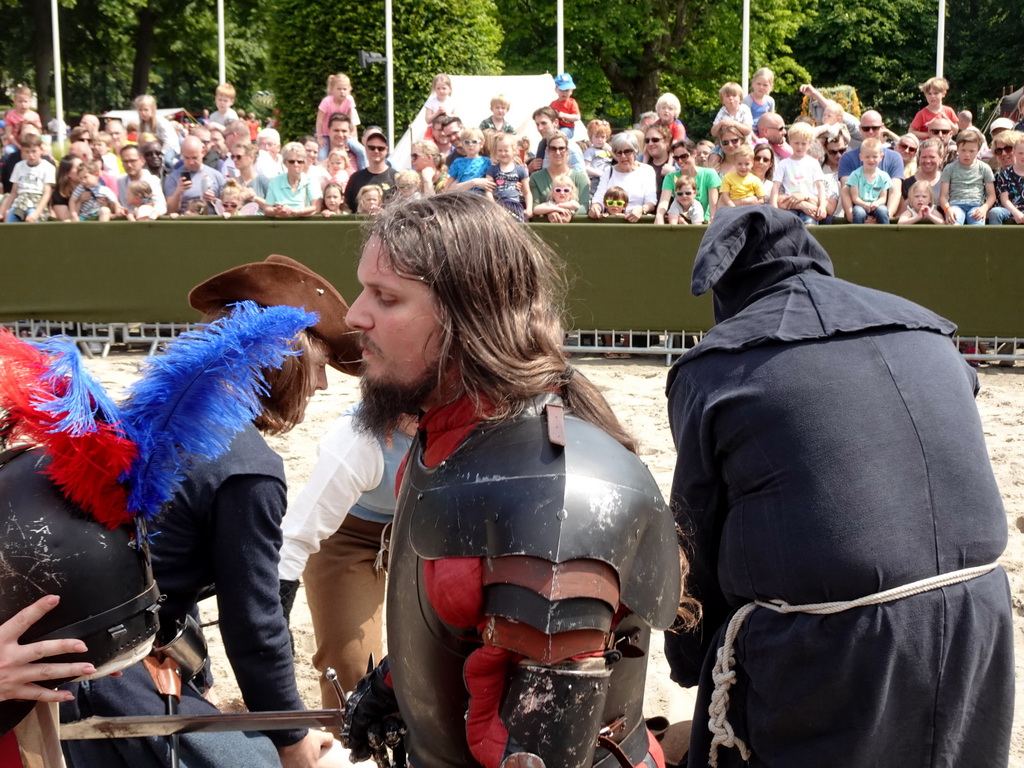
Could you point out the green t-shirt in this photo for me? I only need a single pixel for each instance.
(706, 179)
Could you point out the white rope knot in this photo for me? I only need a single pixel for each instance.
(385, 542)
(723, 674)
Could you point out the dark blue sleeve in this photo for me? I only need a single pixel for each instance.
(892, 164)
(699, 505)
(848, 163)
(247, 532)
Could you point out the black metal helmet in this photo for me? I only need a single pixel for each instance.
(102, 575)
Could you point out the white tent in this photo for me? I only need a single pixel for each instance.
(131, 116)
(472, 94)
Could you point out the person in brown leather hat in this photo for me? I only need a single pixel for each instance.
(221, 533)
(281, 280)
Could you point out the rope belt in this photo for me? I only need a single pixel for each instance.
(724, 674)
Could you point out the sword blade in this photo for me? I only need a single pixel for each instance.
(168, 725)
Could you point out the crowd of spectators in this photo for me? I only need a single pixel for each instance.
(827, 167)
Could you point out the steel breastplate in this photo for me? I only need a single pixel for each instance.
(507, 490)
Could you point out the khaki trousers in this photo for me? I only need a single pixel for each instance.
(346, 600)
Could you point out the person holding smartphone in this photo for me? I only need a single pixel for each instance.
(192, 180)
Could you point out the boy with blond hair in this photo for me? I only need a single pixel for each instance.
(740, 186)
(968, 185)
(21, 113)
(496, 122)
(799, 182)
(869, 185)
(32, 183)
(935, 90)
(733, 112)
(224, 97)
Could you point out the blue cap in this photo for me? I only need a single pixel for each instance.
(564, 82)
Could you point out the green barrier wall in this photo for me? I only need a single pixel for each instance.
(622, 276)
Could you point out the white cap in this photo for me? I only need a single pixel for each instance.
(999, 124)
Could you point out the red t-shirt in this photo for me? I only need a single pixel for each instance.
(925, 116)
(568, 106)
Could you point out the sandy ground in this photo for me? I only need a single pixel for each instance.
(635, 389)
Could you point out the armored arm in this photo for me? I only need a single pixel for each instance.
(559, 617)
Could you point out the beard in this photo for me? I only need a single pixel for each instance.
(386, 402)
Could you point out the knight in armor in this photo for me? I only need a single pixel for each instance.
(80, 478)
(532, 552)
(845, 524)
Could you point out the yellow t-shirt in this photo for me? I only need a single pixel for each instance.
(738, 187)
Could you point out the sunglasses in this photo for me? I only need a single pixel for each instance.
(730, 142)
(1002, 150)
(835, 152)
(153, 154)
(652, 140)
(615, 203)
(295, 161)
(561, 190)
(680, 158)
(237, 157)
(871, 127)
(624, 152)
(229, 205)
(684, 193)
(939, 131)
(414, 156)
(471, 141)
(377, 147)
(906, 147)
(558, 149)
(762, 158)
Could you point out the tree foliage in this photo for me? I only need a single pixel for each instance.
(99, 43)
(983, 52)
(884, 48)
(624, 53)
(309, 41)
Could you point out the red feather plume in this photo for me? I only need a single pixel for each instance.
(87, 467)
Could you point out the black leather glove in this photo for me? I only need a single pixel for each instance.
(372, 720)
(288, 592)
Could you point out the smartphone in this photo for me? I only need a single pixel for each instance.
(187, 175)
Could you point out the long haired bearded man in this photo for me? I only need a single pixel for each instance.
(532, 552)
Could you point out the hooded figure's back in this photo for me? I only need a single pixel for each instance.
(830, 448)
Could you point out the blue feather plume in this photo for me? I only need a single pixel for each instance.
(191, 401)
(83, 397)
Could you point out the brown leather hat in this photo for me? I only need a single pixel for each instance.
(283, 281)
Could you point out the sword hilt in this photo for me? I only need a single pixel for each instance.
(332, 678)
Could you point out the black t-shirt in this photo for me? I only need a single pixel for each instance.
(363, 178)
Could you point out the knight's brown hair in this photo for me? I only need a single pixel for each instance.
(497, 291)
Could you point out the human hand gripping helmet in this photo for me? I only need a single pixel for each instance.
(80, 475)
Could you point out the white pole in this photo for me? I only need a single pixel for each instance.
(58, 74)
(940, 47)
(222, 58)
(746, 43)
(389, 70)
(560, 25)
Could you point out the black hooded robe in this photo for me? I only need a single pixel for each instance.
(829, 448)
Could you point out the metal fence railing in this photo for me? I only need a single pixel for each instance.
(97, 339)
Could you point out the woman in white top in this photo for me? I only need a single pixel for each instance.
(639, 180)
